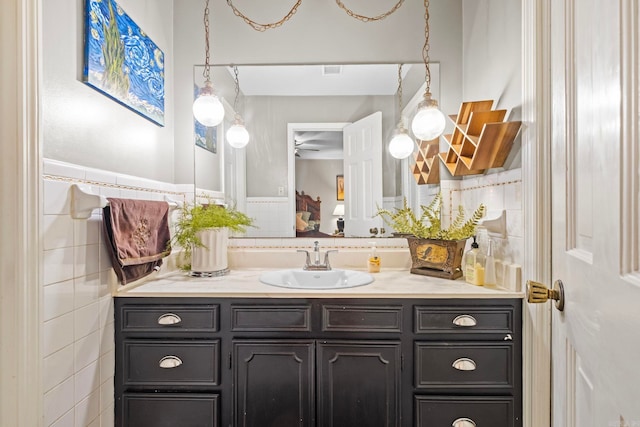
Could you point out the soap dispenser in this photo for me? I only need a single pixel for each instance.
(474, 265)
(373, 262)
(490, 267)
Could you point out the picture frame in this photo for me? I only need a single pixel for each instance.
(340, 187)
(121, 61)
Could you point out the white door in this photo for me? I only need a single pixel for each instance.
(595, 213)
(362, 144)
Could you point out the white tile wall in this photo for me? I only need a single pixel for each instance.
(268, 213)
(78, 323)
(498, 191)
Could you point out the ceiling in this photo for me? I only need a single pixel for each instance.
(318, 145)
(319, 80)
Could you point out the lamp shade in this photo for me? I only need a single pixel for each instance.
(237, 135)
(401, 145)
(339, 210)
(429, 122)
(207, 108)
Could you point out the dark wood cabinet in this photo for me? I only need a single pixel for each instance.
(242, 362)
(359, 383)
(274, 383)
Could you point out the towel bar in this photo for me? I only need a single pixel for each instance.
(83, 201)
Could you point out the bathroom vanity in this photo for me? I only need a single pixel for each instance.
(403, 351)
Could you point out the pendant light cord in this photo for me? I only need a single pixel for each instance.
(400, 124)
(207, 68)
(425, 48)
(364, 18)
(237, 82)
(263, 27)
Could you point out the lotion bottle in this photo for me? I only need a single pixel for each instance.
(373, 262)
(474, 265)
(490, 268)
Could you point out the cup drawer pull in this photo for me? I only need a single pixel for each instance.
(465, 320)
(463, 422)
(169, 362)
(169, 319)
(464, 364)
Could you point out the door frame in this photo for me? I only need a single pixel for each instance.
(20, 214)
(536, 182)
(292, 128)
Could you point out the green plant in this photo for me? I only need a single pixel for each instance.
(197, 217)
(428, 224)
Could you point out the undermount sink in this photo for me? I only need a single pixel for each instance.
(307, 279)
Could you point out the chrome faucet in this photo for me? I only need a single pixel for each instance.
(316, 265)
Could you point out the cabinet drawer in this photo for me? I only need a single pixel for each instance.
(171, 363)
(169, 410)
(464, 411)
(464, 366)
(464, 320)
(259, 318)
(169, 318)
(357, 318)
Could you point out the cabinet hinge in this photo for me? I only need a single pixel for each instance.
(230, 360)
(401, 362)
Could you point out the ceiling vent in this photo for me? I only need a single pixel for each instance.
(331, 70)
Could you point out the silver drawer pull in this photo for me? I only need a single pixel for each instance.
(169, 362)
(169, 319)
(465, 320)
(508, 338)
(463, 422)
(464, 364)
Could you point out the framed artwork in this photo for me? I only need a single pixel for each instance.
(340, 187)
(121, 61)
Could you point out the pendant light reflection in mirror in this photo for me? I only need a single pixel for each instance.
(401, 145)
(237, 135)
(207, 108)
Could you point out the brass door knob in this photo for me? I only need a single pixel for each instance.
(538, 293)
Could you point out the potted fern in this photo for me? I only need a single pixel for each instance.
(435, 251)
(202, 230)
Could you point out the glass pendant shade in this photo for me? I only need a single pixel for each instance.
(429, 122)
(401, 145)
(207, 108)
(237, 135)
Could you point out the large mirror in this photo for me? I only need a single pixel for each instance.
(317, 132)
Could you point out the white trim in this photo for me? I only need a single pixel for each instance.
(536, 182)
(20, 272)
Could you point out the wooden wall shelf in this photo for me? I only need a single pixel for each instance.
(481, 139)
(424, 170)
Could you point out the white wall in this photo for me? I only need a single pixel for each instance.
(85, 127)
(492, 69)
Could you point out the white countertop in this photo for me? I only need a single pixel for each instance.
(245, 283)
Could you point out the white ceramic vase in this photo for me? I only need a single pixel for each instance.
(211, 259)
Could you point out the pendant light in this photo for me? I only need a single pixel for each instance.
(207, 108)
(237, 135)
(428, 122)
(401, 144)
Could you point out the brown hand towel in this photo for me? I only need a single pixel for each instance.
(137, 234)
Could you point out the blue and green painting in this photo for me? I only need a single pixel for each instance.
(122, 61)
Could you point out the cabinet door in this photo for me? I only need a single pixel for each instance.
(273, 383)
(359, 383)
